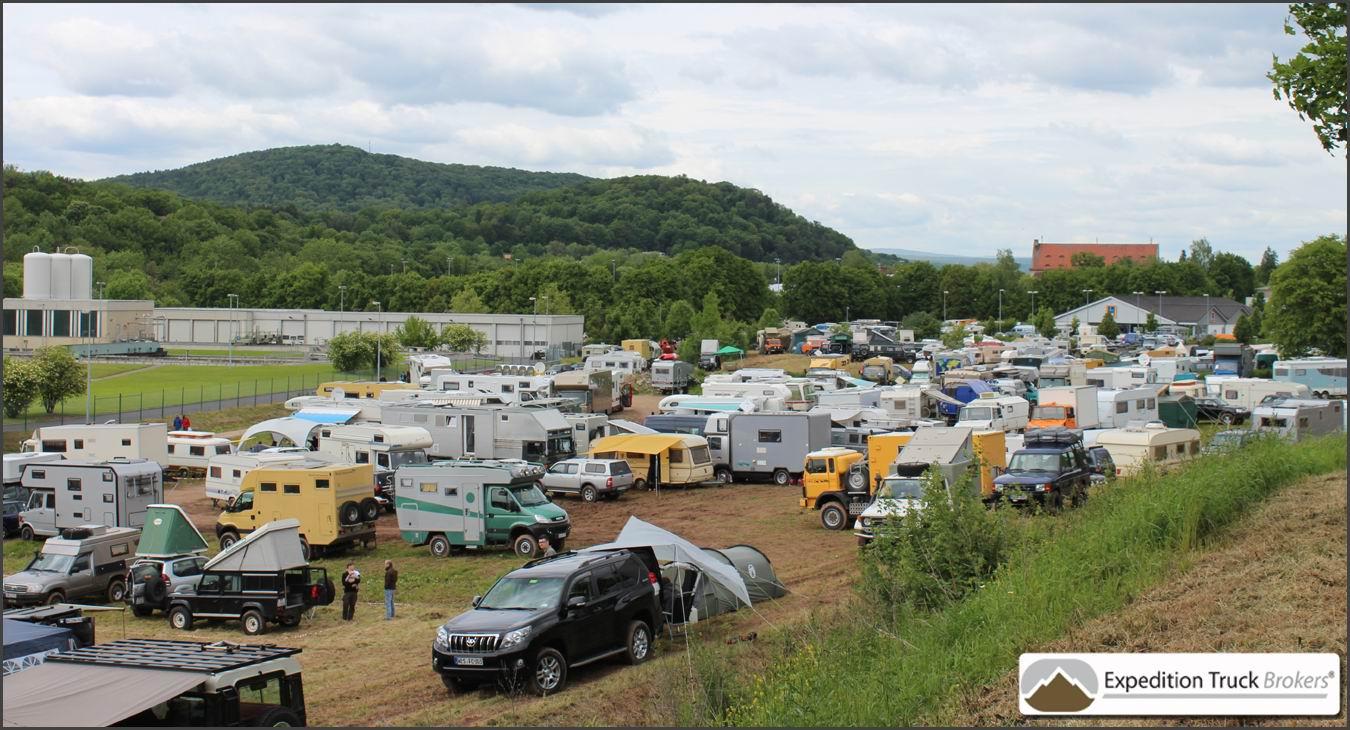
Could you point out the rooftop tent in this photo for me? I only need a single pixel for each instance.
(286, 431)
(760, 579)
(1177, 411)
(169, 531)
(272, 547)
(27, 644)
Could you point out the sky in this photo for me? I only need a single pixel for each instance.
(951, 129)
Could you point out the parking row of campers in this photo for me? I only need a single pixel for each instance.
(335, 504)
(660, 460)
(1133, 447)
(103, 441)
(1297, 419)
(192, 451)
(488, 432)
(68, 494)
(475, 504)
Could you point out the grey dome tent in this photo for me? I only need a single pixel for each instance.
(755, 569)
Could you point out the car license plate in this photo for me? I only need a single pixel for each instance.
(562, 534)
(1019, 498)
(11, 596)
(469, 661)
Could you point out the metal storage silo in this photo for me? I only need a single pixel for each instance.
(60, 276)
(37, 275)
(81, 277)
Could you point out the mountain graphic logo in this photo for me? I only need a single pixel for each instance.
(1059, 685)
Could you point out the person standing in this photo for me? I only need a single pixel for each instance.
(390, 585)
(187, 423)
(178, 423)
(350, 582)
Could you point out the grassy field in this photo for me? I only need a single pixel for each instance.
(150, 387)
(276, 354)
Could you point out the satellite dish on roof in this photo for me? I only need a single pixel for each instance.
(539, 368)
(1144, 359)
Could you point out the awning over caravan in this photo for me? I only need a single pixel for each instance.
(63, 694)
(670, 547)
(938, 395)
(272, 547)
(327, 415)
(291, 430)
(638, 443)
(169, 531)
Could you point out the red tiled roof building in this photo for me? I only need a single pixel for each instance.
(1047, 256)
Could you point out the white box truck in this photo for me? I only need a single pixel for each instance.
(103, 441)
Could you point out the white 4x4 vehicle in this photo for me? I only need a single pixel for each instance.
(894, 499)
(590, 478)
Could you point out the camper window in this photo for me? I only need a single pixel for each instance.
(1160, 452)
(700, 454)
(675, 456)
(1195, 447)
(107, 476)
(1303, 422)
(362, 457)
(73, 485)
(507, 388)
(54, 445)
(197, 451)
(1152, 403)
(267, 487)
(119, 549)
(236, 473)
(771, 437)
(231, 583)
(290, 488)
(210, 583)
(108, 498)
(427, 487)
(79, 443)
(260, 583)
(222, 449)
(715, 442)
(39, 473)
(173, 448)
(1181, 449)
(215, 472)
(1123, 407)
(451, 491)
(382, 459)
(321, 483)
(126, 442)
(1230, 395)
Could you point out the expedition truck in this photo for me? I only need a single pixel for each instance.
(950, 452)
(387, 447)
(330, 501)
(477, 503)
(764, 446)
(672, 376)
(66, 494)
(1068, 406)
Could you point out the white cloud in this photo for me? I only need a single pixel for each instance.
(625, 147)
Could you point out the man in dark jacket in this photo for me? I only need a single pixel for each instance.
(390, 585)
(350, 581)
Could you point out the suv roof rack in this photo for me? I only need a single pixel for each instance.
(1056, 435)
(182, 656)
(571, 554)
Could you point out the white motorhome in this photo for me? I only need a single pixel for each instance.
(1117, 408)
(512, 388)
(14, 464)
(103, 441)
(226, 472)
(693, 404)
(1119, 378)
(190, 451)
(1152, 443)
(995, 412)
(1296, 419)
(622, 362)
(66, 494)
(422, 367)
(748, 375)
(387, 447)
(1249, 392)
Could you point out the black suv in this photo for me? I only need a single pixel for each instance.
(1213, 410)
(1051, 466)
(255, 598)
(552, 615)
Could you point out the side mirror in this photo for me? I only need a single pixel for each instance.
(576, 602)
(476, 600)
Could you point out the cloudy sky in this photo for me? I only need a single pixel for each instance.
(958, 129)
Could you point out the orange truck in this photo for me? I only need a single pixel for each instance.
(1069, 406)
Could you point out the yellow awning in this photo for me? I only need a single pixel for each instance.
(638, 443)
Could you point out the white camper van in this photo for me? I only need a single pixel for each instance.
(103, 441)
(66, 494)
(995, 412)
(1297, 419)
(190, 451)
(1117, 408)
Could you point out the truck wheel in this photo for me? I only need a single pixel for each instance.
(253, 622)
(349, 513)
(833, 516)
(180, 617)
(781, 477)
(117, 590)
(440, 547)
(589, 493)
(280, 717)
(228, 539)
(370, 509)
(639, 642)
(55, 597)
(724, 475)
(524, 545)
(639, 483)
(550, 672)
(26, 532)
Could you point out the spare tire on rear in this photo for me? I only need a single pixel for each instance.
(370, 509)
(349, 513)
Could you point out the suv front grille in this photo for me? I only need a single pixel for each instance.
(473, 642)
(16, 589)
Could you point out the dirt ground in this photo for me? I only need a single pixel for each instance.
(1275, 582)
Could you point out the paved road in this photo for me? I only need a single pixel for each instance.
(132, 415)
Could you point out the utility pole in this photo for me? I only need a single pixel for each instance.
(342, 298)
(1000, 310)
(233, 300)
(1033, 293)
(1160, 296)
(534, 323)
(944, 306)
(1138, 318)
(379, 340)
(1208, 318)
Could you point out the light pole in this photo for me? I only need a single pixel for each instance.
(1208, 319)
(379, 337)
(1000, 310)
(1160, 295)
(778, 278)
(342, 297)
(234, 301)
(1086, 294)
(1138, 321)
(1033, 293)
(534, 323)
(405, 266)
(448, 263)
(89, 360)
(944, 306)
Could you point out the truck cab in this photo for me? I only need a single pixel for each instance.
(835, 482)
(1052, 465)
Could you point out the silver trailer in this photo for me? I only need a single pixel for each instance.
(672, 376)
(539, 435)
(765, 446)
(1296, 419)
(68, 494)
(586, 428)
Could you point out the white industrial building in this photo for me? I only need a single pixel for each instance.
(1198, 315)
(58, 308)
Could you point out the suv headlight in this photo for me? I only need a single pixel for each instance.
(515, 637)
(442, 637)
(541, 518)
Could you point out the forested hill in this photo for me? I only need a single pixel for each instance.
(340, 177)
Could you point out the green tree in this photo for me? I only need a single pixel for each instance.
(21, 385)
(679, 319)
(59, 376)
(1269, 260)
(1313, 82)
(1086, 260)
(1108, 327)
(955, 338)
(770, 319)
(463, 338)
(1202, 253)
(1245, 330)
(351, 351)
(1045, 323)
(709, 318)
(1233, 274)
(925, 324)
(1151, 323)
(466, 301)
(417, 332)
(553, 299)
(390, 352)
(1307, 300)
(129, 285)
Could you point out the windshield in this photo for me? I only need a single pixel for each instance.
(1023, 461)
(976, 414)
(522, 593)
(1049, 412)
(900, 489)
(399, 458)
(242, 503)
(528, 495)
(52, 563)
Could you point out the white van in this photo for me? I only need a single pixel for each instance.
(1153, 443)
(995, 412)
(191, 451)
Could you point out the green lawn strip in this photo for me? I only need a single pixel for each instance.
(1122, 542)
(277, 354)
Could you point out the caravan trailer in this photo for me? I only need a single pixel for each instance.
(1249, 392)
(67, 494)
(1152, 443)
(190, 451)
(1297, 419)
(103, 441)
(1117, 408)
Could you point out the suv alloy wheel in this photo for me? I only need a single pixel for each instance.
(639, 642)
(550, 672)
(589, 493)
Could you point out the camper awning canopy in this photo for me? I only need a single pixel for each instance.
(169, 531)
(272, 547)
(24, 637)
(61, 694)
(289, 428)
(671, 547)
(638, 443)
(731, 350)
(327, 415)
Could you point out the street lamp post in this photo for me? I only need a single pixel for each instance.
(234, 301)
(342, 298)
(1000, 310)
(379, 341)
(1033, 293)
(944, 306)
(1160, 296)
(778, 278)
(89, 360)
(1138, 320)
(1086, 294)
(1208, 318)
(534, 323)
